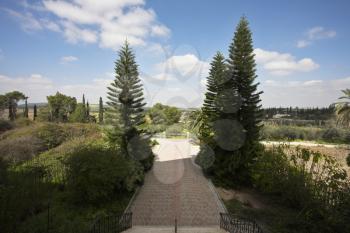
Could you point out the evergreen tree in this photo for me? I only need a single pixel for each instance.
(25, 112)
(35, 112)
(83, 99)
(210, 108)
(126, 102)
(100, 111)
(87, 110)
(242, 70)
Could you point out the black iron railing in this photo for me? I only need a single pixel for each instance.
(235, 224)
(113, 224)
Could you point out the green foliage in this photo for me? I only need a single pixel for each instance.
(211, 110)
(61, 106)
(79, 114)
(13, 98)
(343, 109)
(309, 182)
(51, 134)
(5, 125)
(44, 114)
(241, 65)
(290, 133)
(164, 114)
(22, 196)
(35, 112)
(100, 111)
(175, 130)
(125, 106)
(205, 158)
(96, 173)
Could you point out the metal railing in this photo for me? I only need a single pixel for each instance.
(113, 224)
(235, 224)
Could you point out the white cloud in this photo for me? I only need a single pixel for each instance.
(30, 24)
(315, 33)
(184, 66)
(68, 59)
(302, 93)
(283, 63)
(107, 22)
(74, 34)
(303, 43)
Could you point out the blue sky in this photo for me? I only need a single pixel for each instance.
(301, 47)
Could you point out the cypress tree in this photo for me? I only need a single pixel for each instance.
(100, 111)
(25, 112)
(35, 114)
(241, 64)
(87, 110)
(126, 102)
(83, 99)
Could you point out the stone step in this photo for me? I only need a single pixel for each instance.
(166, 229)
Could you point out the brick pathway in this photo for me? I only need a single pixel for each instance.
(175, 187)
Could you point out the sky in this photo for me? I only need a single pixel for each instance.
(301, 47)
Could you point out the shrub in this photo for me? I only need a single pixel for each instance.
(332, 135)
(205, 157)
(174, 130)
(51, 134)
(21, 148)
(23, 121)
(96, 173)
(310, 182)
(5, 125)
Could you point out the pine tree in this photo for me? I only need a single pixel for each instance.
(35, 112)
(126, 102)
(100, 111)
(25, 112)
(210, 108)
(242, 70)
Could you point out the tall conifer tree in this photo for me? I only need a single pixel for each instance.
(35, 112)
(100, 111)
(210, 108)
(126, 102)
(241, 64)
(26, 111)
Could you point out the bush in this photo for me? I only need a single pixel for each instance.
(96, 173)
(23, 121)
(51, 134)
(311, 183)
(174, 130)
(21, 148)
(5, 125)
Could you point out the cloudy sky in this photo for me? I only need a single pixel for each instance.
(302, 47)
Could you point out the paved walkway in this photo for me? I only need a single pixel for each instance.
(176, 188)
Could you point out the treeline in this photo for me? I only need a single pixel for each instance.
(60, 108)
(316, 113)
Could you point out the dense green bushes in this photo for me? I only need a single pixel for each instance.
(96, 173)
(23, 143)
(290, 133)
(309, 182)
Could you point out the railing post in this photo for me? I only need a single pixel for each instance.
(175, 225)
